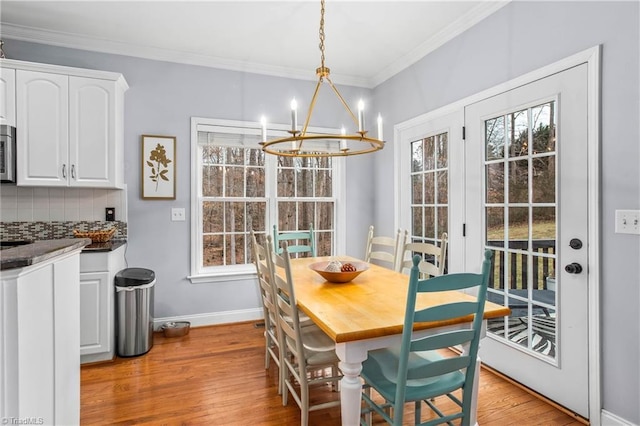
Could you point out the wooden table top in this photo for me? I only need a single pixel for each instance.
(372, 305)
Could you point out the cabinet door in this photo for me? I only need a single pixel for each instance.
(8, 96)
(36, 345)
(92, 127)
(66, 300)
(94, 312)
(43, 119)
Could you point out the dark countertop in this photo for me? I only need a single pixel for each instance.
(38, 251)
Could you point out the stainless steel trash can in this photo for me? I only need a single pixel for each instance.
(134, 311)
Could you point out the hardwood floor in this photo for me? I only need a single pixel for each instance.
(216, 376)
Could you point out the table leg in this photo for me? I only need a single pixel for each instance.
(351, 384)
(473, 418)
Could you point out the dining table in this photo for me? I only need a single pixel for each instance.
(367, 313)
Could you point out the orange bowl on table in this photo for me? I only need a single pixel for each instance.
(339, 277)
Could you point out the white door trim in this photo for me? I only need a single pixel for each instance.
(406, 131)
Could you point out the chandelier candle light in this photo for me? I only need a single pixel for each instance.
(301, 143)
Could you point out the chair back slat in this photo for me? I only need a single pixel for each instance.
(443, 340)
(446, 312)
(439, 367)
(457, 282)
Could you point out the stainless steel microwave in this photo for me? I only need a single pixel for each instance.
(7, 154)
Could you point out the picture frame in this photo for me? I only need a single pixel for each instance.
(158, 167)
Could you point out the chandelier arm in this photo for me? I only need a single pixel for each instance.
(312, 104)
(344, 103)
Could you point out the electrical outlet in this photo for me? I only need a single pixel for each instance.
(177, 215)
(110, 214)
(628, 222)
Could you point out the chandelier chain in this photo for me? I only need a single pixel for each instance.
(322, 33)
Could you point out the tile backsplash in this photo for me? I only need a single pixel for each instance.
(51, 230)
(26, 204)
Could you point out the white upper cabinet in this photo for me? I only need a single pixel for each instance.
(43, 138)
(69, 126)
(92, 132)
(7, 96)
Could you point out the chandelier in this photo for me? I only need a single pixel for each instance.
(301, 143)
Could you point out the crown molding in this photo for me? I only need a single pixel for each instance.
(462, 24)
(73, 41)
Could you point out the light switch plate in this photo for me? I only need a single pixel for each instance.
(628, 222)
(177, 214)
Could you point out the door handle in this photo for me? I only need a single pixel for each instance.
(573, 268)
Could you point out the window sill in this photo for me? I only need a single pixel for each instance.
(244, 274)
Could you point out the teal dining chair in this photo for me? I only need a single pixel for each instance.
(297, 241)
(416, 372)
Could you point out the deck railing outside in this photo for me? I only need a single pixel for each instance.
(543, 267)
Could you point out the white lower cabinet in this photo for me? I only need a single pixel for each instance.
(40, 335)
(97, 310)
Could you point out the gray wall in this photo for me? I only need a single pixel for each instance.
(161, 100)
(519, 38)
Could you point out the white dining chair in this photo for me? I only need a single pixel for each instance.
(309, 354)
(384, 251)
(433, 257)
(262, 261)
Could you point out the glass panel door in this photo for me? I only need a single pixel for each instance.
(520, 209)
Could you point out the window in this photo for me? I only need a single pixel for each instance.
(236, 187)
(429, 188)
(305, 197)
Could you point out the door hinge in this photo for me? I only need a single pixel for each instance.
(464, 133)
(464, 229)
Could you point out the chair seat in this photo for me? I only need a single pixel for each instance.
(381, 368)
(314, 339)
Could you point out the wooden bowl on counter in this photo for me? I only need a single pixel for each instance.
(95, 236)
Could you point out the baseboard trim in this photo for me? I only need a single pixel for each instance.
(213, 318)
(610, 419)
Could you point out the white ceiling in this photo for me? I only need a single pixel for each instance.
(366, 41)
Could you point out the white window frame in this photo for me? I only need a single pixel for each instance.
(225, 273)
